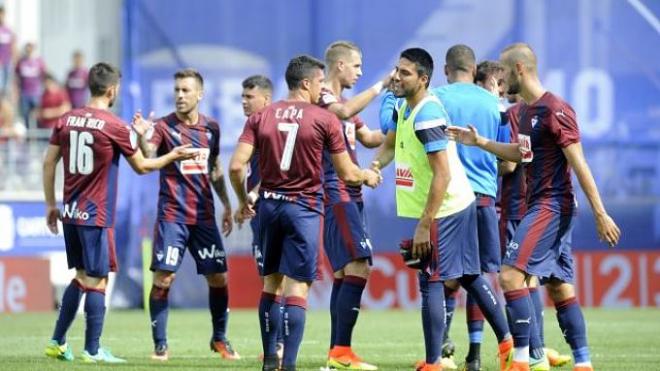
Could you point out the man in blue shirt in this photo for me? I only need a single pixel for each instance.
(467, 103)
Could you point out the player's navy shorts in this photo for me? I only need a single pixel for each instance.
(345, 237)
(541, 245)
(90, 248)
(203, 240)
(507, 229)
(487, 231)
(257, 253)
(455, 252)
(290, 235)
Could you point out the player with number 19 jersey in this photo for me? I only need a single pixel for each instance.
(91, 141)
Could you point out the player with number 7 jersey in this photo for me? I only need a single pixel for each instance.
(290, 137)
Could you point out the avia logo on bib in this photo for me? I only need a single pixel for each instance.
(404, 177)
(72, 212)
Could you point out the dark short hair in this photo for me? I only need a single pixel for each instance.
(102, 76)
(422, 60)
(486, 69)
(460, 57)
(300, 68)
(189, 72)
(258, 81)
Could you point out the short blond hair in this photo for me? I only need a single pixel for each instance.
(339, 49)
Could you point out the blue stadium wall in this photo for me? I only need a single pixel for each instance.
(601, 56)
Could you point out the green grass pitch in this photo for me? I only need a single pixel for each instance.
(619, 340)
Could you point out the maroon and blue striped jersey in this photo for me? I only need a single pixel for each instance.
(185, 194)
(290, 137)
(90, 142)
(546, 127)
(513, 190)
(335, 190)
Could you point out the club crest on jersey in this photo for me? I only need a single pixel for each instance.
(209, 135)
(198, 164)
(535, 120)
(72, 212)
(404, 177)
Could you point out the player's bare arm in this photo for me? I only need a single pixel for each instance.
(53, 156)
(439, 183)
(218, 183)
(369, 138)
(385, 154)
(469, 136)
(237, 173)
(142, 128)
(351, 174)
(143, 165)
(608, 231)
(355, 105)
(505, 167)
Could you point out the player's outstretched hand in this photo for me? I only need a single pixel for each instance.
(227, 222)
(142, 125)
(52, 216)
(372, 177)
(608, 231)
(184, 152)
(468, 136)
(421, 241)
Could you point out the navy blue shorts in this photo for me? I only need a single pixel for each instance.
(454, 238)
(345, 237)
(541, 245)
(203, 240)
(490, 253)
(290, 236)
(90, 248)
(257, 253)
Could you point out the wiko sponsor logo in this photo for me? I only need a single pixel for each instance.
(277, 196)
(213, 253)
(72, 212)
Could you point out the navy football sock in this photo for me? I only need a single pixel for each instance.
(270, 315)
(218, 300)
(537, 308)
(70, 303)
(348, 308)
(450, 307)
(535, 342)
(94, 314)
(573, 327)
(433, 317)
(484, 295)
(336, 287)
(519, 313)
(294, 327)
(158, 311)
(475, 325)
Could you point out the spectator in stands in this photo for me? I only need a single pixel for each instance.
(76, 81)
(8, 128)
(30, 70)
(54, 102)
(7, 52)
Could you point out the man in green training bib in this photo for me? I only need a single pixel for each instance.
(432, 187)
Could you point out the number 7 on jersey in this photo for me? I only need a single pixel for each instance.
(292, 131)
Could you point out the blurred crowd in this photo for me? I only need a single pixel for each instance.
(32, 98)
